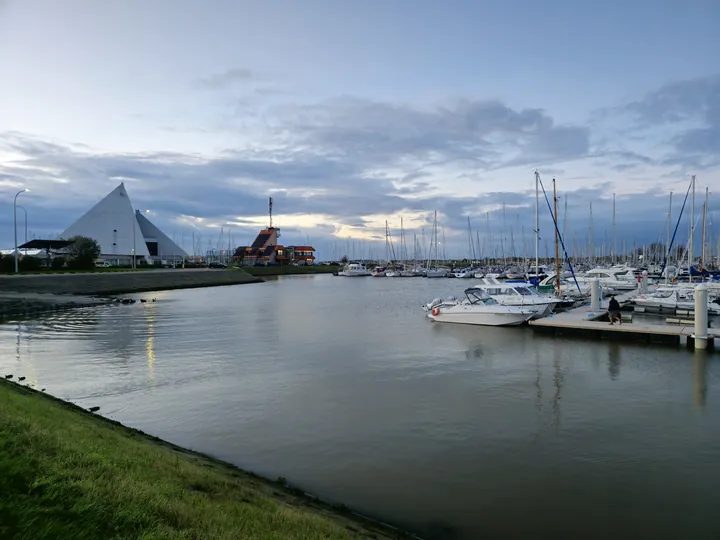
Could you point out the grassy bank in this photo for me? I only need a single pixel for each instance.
(289, 270)
(67, 473)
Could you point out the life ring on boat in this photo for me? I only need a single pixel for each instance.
(435, 311)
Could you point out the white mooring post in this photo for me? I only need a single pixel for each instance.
(595, 294)
(701, 316)
(644, 282)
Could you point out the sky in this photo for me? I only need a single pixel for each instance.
(351, 114)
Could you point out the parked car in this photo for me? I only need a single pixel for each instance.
(217, 265)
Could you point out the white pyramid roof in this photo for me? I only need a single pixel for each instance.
(166, 247)
(111, 222)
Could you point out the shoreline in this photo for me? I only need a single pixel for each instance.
(260, 271)
(113, 283)
(277, 495)
(29, 295)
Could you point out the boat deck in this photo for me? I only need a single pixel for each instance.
(585, 322)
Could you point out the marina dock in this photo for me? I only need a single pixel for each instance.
(584, 322)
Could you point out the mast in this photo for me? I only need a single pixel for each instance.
(472, 244)
(502, 237)
(537, 223)
(704, 227)
(613, 233)
(591, 240)
(489, 237)
(692, 231)
(667, 249)
(557, 249)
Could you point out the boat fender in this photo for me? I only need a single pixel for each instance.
(435, 312)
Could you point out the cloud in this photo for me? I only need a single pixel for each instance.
(692, 109)
(341, 167)
(227, 78)
(487, 134)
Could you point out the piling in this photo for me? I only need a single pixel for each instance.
(595, 295)
(701, 316)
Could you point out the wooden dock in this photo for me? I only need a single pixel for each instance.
(582, 321)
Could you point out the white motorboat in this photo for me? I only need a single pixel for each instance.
(608, 278)
(478, 309)
(437, 272)
(378, 271)
(354, 270)
(392, 273)
(671, 299)
(465, 273)
(519, 294)
(567, 286)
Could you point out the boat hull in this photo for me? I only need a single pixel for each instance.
(469, 314)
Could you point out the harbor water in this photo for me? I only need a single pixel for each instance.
(345, 388)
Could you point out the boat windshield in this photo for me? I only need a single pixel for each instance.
(524, 291)
(478, 297)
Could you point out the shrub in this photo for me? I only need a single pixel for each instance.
(83, 252)
(28, 263)
(7, 263)
(57, 263)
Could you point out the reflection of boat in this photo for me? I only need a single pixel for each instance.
(519, 294)
(478, 308)
(354, 270)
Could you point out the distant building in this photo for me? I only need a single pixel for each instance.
(301, 255)
(123, 232)
(265, 250)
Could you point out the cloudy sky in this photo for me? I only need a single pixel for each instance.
(353, 113)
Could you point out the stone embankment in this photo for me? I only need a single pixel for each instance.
(28, 295)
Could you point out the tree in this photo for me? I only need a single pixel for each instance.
(82, 253)
(344, 260)
(28, 263)
(57, 263)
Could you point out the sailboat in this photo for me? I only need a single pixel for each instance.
(435, 271)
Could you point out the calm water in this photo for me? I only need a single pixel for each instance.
(343, 387)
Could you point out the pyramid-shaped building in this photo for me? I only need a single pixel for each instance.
(121, 231)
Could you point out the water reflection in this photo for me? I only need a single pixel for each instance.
(557, 383)
(614, 360)
(150, 341)
(700, 368)
(405, 415)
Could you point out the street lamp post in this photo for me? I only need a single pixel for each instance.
(15, 226)
(24, 210)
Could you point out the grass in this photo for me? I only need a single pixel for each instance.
(88, 271)
(289, 270)
(67, 473)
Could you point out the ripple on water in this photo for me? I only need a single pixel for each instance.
(345, 388)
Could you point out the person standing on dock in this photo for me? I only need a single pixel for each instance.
(614, 311)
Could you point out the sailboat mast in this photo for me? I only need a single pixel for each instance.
(591, 240)
(704, 229)
(537, 223)
(613, 232)
(472, 244)
(557, 249)
(692, 231)
(667, 250)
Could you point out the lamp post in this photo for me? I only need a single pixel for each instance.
(24, 210)
(15, 225)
